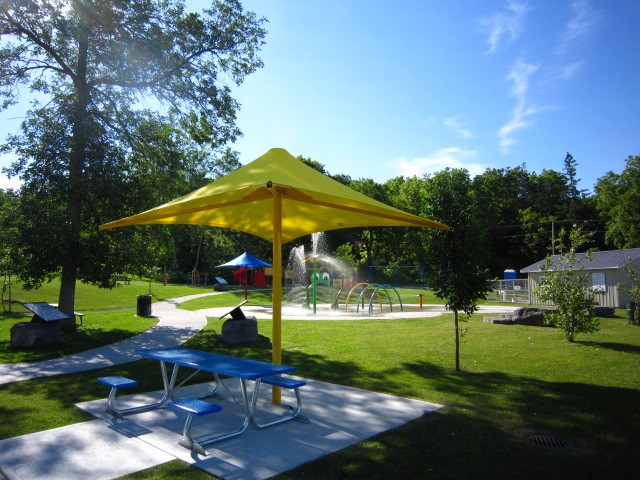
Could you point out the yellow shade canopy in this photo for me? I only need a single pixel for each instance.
(278, 198)
(242, 200)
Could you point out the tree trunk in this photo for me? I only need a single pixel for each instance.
(71, 260)
(455, 316)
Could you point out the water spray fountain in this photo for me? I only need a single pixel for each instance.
(303, 287)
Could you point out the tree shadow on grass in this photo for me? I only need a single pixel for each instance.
(71, 342)
(599, 422)
(616, 346)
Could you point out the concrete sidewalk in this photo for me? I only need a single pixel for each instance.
(174, 327)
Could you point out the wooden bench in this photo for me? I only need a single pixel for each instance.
(291, 413)
(79, 315)
(115, 382)
(122, 278)
(193, 407)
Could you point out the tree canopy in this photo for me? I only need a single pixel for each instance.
(113, 74)
(618, 202)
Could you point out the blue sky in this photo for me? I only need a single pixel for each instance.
(377, 89)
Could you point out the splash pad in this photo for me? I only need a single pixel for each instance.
(319, 279)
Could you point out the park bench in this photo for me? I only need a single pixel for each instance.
(79, 315)
(122, 278)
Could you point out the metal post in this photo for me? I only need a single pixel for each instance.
(314, 281)
(277, 288)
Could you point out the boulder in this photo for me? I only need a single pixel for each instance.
(522, 316)
(606, 312)
(504, 319)
(30, 334)
(240, 330)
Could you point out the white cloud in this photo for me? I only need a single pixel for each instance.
(505, 25)
(584, 21)
(522, 112)
(454, 124)
(569, 71)
(452, 157)
(560, 75)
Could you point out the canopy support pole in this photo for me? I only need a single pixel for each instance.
(277, 288)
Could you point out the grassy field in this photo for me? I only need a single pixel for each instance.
(517, 382)
(90, 298)
(110, 316)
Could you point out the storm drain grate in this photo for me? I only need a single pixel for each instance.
(548, 441)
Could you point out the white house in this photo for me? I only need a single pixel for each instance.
(606, 269)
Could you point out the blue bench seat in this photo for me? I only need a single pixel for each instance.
(193, 407)
(116, 382)
(284, 382)
(291, 413)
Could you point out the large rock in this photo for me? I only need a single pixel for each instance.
(240, 330)
(31, 334)
(522, 316)
(607, 312)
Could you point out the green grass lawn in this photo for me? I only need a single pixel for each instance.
(89, 298)
(517, 381)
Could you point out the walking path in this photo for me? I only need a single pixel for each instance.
(107, 448)
(174, 327)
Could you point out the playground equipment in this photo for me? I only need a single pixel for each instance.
(305, 286)
(326, 273)
(370, 291)
(317, 278)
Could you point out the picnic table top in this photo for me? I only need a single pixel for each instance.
(243, 368)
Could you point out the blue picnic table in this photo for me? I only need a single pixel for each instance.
(241, 368)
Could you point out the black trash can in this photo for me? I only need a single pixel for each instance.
(144, 305)
(631, 310)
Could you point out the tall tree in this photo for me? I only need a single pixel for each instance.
(98, 62)
(500, 195)
(571, 171)
(456, 270)
(618, 202)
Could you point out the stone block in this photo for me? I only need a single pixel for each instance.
(29, 334)
(240, 331)
(606, 312)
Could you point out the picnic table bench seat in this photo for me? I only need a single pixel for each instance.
(116, 382)
(291, 413)
(193, 407)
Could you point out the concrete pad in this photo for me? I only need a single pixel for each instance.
(340, 416)
(86, 450)
(324, 312)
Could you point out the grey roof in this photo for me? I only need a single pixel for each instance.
(599, 260)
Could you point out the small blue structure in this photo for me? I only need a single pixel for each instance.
(510, 274)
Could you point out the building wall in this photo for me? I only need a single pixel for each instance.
(613, 296)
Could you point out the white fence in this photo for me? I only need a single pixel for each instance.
(514, 291)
